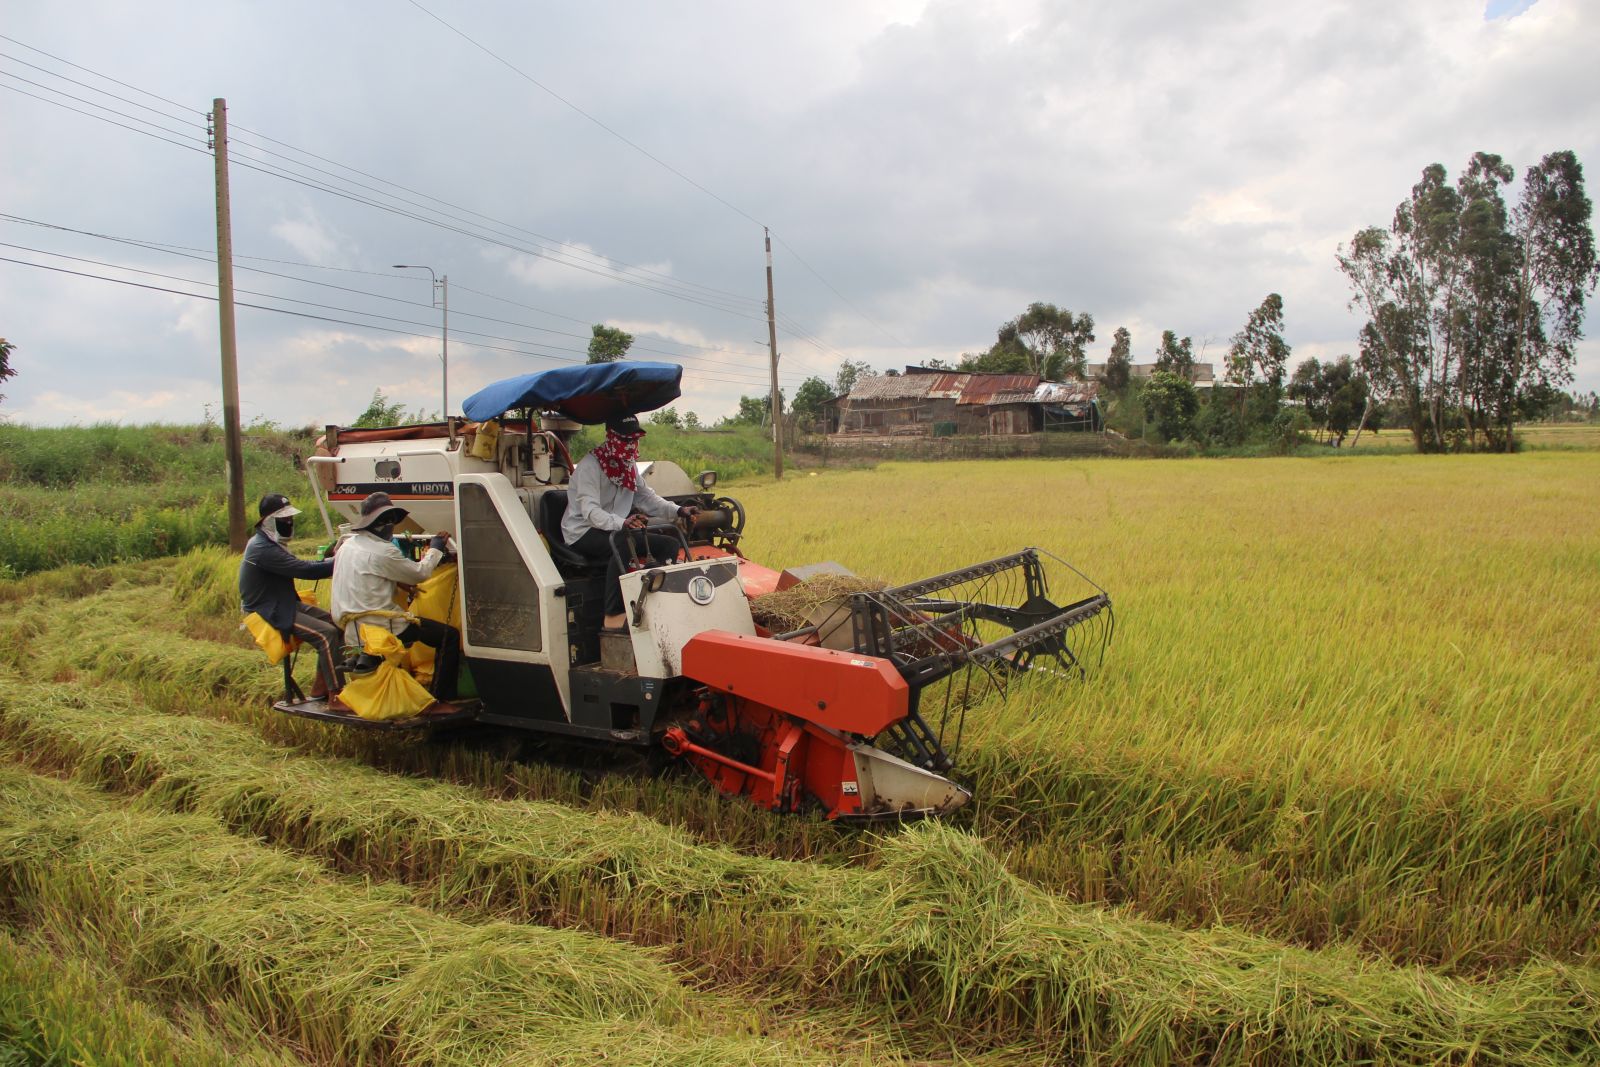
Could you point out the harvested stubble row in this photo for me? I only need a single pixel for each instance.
(56, 1010)
(352, 973)
(939, 931)
(124, 634)
(1469, 880)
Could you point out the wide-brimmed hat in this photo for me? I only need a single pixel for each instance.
(627, 426)
(375, 509)
(275, 506)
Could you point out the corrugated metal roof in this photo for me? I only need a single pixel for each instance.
(1066, 392)
(948, 386)
(982, 388)
(895, 387)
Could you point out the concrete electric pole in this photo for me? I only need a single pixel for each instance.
(772, 345)
(233, 441)
(441, 297)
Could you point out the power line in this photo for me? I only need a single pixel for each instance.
(815, 273)
(67, 107)
(563, 255)
(277, 172)
(315, 304)
(560, 254)
(546, 89)
(607, 260)
(204, 255)
(323, 318)
(105, 77)
(91, 88)
(650, 156)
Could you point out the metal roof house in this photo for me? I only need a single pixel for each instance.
(944, 403)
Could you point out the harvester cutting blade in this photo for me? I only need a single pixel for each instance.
(891, 788)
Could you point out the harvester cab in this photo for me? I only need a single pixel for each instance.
(858, 712)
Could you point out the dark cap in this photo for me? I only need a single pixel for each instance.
(375, 509)
(627, 426)
(275, 506)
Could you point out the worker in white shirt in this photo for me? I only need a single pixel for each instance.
(370, 567)
(606, 494)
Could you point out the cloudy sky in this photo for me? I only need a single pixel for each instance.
(927, 169)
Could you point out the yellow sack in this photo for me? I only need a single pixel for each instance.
(436, 600)
(483, 443)
(436, 597)
(268, 638)
(388, 692)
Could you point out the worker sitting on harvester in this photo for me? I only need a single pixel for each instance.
(603, 493)
(266, 588)
(371, 568)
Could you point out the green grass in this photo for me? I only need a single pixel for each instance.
(107, 494)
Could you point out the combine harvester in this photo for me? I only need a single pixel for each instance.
(858, 713)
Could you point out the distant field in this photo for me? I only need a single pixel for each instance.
(1581, 436)
(1333, 797)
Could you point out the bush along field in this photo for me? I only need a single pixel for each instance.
(110, 494)
(1331, 798)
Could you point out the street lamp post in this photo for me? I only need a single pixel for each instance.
(441, 291)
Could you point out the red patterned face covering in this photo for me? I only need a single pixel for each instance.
(618, 457)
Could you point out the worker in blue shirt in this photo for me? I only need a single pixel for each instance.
(266, 586)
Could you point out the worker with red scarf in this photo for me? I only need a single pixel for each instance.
(606, 494)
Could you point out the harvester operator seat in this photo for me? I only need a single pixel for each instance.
(552, 506)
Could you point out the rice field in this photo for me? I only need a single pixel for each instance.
(1333, 797)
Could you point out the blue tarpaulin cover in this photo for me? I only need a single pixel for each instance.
(592, 393)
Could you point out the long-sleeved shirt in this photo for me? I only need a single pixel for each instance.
(369, 569)
(266, 580)
(595, 502)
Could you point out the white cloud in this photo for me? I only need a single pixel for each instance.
(312, 240)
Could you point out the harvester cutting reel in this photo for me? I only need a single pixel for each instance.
(871, 728)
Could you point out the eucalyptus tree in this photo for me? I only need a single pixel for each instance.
(1559, 269)
(1120, 363)
(1469, 304)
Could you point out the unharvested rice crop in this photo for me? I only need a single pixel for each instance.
(1334, 795)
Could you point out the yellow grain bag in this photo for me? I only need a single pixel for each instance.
(268, 638)
(436, 600)
(484, 441)
(388, 692)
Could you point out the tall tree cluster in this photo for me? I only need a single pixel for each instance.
(1119, 365)
(1472, 305)
(1045, 340)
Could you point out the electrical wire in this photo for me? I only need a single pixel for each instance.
(197, 147)
(604, 259)
(324, 318)
(204, 255)
(277, 172)
(563, 255)
(752, 379)
(97, 74)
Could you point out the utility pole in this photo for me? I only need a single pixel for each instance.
(441, 296)
(232, 440)
(772, 346)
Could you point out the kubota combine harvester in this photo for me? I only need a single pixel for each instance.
(858, 712)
